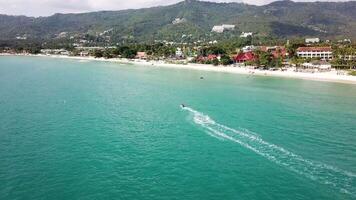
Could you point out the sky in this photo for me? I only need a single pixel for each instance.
(48, 7)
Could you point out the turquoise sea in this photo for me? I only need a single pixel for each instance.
(74, 129)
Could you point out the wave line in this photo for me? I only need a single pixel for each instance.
(342, 180)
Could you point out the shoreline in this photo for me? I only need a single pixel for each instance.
(331, 76)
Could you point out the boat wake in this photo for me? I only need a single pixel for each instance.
(340, 179)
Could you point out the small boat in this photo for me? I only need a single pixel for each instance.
(182, 105)
(201, 77)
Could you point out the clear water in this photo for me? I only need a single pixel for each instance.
(92, 130)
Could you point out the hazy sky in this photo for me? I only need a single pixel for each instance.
(49, 7)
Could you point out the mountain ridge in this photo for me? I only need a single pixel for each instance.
(279, 19)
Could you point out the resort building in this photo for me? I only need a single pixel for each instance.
(218, 29)
(344, 41)
(84, 53)
(276, 51)
(312, 40)
(141, 55)
(222, 28)
(62, 35)
(244, 57)
(24, 37)
(228, 27)
(210, 57)
(213, 42)
(179, 53)
(80, 48)
(178, 20)
(213, 57)
(106, 32)
(322, 66)
(248, 48)
(55, 51)
(324, 53)
(348, 57)
(245, 35)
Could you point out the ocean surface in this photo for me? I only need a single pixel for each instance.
(73, 129)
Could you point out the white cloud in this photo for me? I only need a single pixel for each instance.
(49, 7)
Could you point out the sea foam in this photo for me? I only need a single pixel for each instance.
(342, 180)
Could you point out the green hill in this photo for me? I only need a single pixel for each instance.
(281, 19)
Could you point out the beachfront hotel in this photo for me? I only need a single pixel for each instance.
(324, 53)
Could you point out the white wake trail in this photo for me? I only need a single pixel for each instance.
(325, 174)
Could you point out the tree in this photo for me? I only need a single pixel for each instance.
(264, 59)
(115, 52)
(226, 60)
(107, 54)
(342, 55)
(215, 50)
(98, 53)
(34, 50)
(277, 62)
(127, 52)
(292, 48)
(215, 62)
(297, 61)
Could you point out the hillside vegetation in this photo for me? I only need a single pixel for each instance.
(281, 19)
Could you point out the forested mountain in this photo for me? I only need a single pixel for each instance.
(281, 19)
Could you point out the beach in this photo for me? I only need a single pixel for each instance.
(331, 76)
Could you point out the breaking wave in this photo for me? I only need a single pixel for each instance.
(325, 174)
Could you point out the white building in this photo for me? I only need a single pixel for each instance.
(324, 53)
(218, 29)
(93, 48)
(312, 40)
(228, 26)
(55, 51)
(248, 48)
(106, 32)
(213, 42)
(179, 52)
(84, 53)
(222, 28)
(62, 35)
(178, 20)
(318, 65)
(21, 37)
(348, 57)
(245, 35)
(344, 41)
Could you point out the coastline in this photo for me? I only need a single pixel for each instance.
(331, 76)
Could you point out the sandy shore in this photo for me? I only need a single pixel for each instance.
(331, 76)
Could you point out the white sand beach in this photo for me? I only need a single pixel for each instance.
(331, 76)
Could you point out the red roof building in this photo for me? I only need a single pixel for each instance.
(276, 51)
(245, 57)
(314, 49)
(210, 57)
